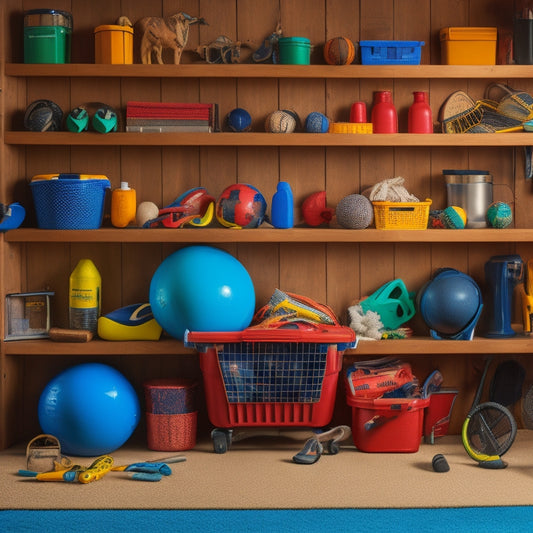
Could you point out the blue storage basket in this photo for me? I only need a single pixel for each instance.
(391, 52)
(67, 202)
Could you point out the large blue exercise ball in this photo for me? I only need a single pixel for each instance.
(202, 288)
(91, 408)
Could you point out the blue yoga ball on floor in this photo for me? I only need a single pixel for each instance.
(91, 408)
(202, 288)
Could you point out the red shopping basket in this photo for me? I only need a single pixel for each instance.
(265, 377)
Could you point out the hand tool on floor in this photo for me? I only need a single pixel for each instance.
(100, 466)
(314, 447)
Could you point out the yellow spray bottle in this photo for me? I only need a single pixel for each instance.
(85, 296)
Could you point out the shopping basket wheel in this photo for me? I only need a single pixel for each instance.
(333, 447)
(221, 440)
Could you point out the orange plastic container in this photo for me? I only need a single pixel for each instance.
(468, 46)
(113, 44)
(392, 425)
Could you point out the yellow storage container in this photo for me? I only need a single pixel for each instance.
(468, 46)
(113, 44)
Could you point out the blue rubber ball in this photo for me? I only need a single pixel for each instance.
(239, 120)
(202, 288)
(91, 408)
(316, 123)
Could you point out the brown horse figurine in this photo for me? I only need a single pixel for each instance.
(169, 32)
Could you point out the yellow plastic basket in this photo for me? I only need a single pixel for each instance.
(350, 127)
(401, 215)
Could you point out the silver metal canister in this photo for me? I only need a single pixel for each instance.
(471, 190)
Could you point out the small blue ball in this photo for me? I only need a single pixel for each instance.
(316, 123)
(239, 120)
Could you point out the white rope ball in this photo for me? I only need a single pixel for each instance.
(280, 121)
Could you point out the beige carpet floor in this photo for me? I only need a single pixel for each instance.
(259, 473)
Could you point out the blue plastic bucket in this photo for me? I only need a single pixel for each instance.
(294, 51)
(69, 203)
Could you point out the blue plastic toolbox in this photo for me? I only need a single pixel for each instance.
(391, 52)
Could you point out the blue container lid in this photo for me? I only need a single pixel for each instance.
(466, 172)
(392, 43)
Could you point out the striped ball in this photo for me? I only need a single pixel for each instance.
(499, 215)
(355, 211)
(339, 51)
(454, 217)
(281, 121)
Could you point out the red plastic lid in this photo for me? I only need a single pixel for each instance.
(388, 404)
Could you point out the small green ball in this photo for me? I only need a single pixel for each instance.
(499, 215)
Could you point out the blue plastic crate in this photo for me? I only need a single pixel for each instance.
(391, 52)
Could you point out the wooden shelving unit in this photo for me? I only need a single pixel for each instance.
(336, 266)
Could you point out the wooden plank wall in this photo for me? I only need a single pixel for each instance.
(337, 274)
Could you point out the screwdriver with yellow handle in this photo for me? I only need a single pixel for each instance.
(100, 466)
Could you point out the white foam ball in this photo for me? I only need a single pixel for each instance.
(145, 212)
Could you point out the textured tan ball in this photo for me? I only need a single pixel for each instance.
(355, 211)
(339, 51)
(281, 121)
(145, 212)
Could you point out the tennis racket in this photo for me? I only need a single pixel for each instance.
(489, 429)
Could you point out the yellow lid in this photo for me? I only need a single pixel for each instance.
(468, 34)
(350, 127)
(113, 27)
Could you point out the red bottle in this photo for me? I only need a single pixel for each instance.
(420, 119)
(384, 116)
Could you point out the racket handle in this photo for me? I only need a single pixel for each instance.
(497, 464)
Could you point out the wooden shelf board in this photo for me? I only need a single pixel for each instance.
(96, 347)
(203, 70)
(419, 346)
(264, 235)
(62, 138)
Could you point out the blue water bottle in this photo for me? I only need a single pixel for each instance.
(283, 207)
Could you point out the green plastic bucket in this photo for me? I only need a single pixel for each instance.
(47, 36)
(294, 51)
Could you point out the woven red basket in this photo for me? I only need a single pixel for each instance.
(169, 433)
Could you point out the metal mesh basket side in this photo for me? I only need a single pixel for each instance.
(273, 372)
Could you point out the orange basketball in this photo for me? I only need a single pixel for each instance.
(339, 51)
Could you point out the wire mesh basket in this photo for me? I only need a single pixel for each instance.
(271, 378)
(273, 372)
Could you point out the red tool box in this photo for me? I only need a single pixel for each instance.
(270, 377)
